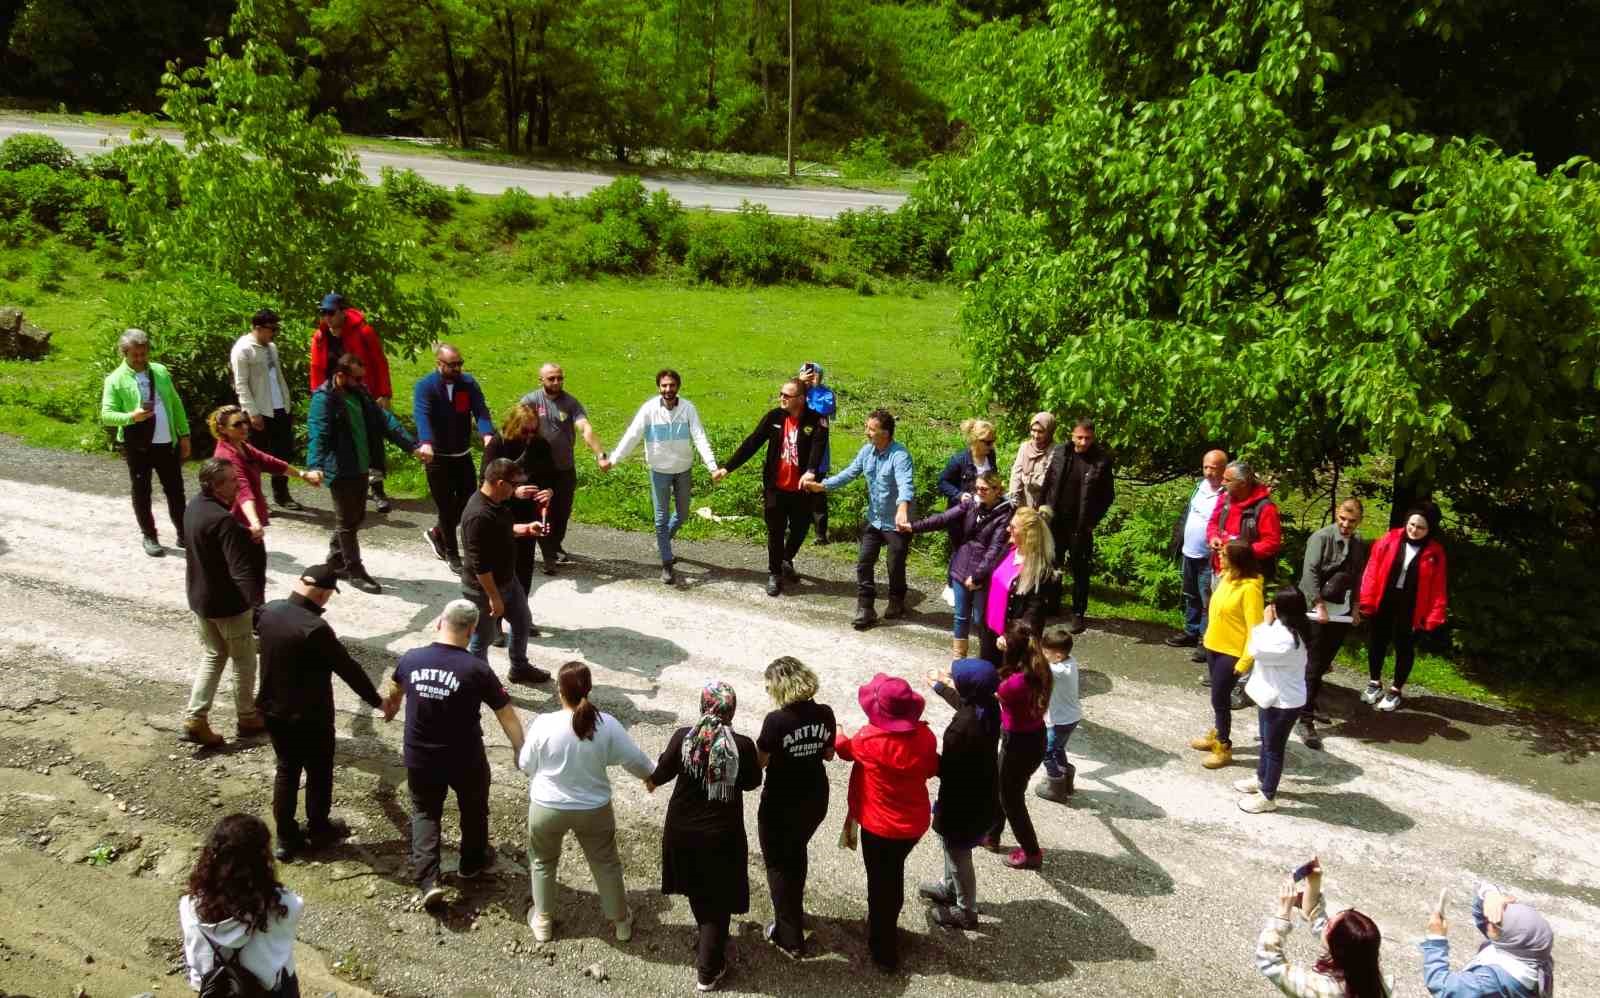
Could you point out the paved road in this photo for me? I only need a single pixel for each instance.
(484, 178)
(96, 649)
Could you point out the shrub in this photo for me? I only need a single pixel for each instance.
(409, 191)
(913, 240)
(30, 149)
(463, 194)
(867, 158)
(1133, 543)
(50, 267)
(110, 165)
(514, 211)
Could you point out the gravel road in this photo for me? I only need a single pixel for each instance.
(488, 178)
(1154, 882)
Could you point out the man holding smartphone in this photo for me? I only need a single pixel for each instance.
(488, 571)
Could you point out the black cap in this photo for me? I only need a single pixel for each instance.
(322, 576)
(265, 317)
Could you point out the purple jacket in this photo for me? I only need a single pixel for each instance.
(978, 533)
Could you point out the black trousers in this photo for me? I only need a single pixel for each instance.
(784, 836)
(451, 482)
(563, 488)
(1321, 649)
(163, 460)
(885, 860)
(819, 514)
(349, 509)
(711, 944)
(1392, 623)
(302, 746)
(1077, 554)
(469, 778)
(276, 437)
(788, 517)
(1021, 752)
(872, 541)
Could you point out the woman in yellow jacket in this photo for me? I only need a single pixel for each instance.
(1236, 607)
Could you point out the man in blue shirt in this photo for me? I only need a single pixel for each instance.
(887, 468)
(446, 404)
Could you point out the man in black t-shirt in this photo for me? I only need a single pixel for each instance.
(488, 568)
(443, 687)
(795, 741)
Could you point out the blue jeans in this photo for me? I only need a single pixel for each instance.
(1276, 723)
(1055, 749)
(661, 499)
(1196, 594)
(1220, 667)
(966, 600)
(517, 618)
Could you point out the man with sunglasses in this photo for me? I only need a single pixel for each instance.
(795, 438)
(341, 330)
(446, 403)
(263, 394)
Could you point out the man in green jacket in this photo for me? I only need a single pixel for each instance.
(139, 400)
(346, 431)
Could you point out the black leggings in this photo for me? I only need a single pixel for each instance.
(711, 937)
(1021, 752)
(1392, 622)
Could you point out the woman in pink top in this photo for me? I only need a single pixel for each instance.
(231, 429)
(1016, 589)
(1025, 684)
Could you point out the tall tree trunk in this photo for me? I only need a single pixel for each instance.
(711, 69)
(546, 97)
(453, 76)
(758, 52)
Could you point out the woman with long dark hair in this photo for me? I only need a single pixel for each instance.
(1278, 686)
(1236, 607)
(237, 913)
(1349, 966)
(1402, 596)
(1024, 694)
(704, 852)
(566, 754)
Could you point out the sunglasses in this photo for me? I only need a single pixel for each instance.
(453, 365)
(787, 395)
(238, 423)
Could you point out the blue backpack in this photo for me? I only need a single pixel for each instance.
(819, 399)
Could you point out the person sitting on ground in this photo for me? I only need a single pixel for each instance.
(1349, 966)
(1514, 961)
(1032, 473)
(237, 919)
(1024, 694)
(978, 537)
(958, 481)
(566, 754)
(1403, 596)
(969, 781)
(1063, 714)
(1236, 607)
(704, 852)
(1278, 645)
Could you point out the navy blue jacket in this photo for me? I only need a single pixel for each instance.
(447, 423)
(960, 475)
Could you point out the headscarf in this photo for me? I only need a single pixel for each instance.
(976, 682)
(1523, 950)
(1028, 471)
(710, 754)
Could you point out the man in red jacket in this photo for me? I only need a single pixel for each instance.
(342, 330)
(1244, 511)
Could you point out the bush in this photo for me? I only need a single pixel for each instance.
(29, 149)
(409, 191)
(62, 202)
(463, 194)
(867, 158)
(752, 247)
(913, 240)
(514, 211)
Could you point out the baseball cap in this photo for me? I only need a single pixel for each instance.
(323, 576)
(332, 301)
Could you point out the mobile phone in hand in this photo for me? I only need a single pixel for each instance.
(1442, 894)
(1304, 870)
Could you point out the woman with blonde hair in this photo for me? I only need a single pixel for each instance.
(1033, 473)
(959, 479)
(1018, 584)
(230, 427)
(795, 740)
(519, 440)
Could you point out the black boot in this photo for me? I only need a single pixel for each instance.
(1068, 776)
(380, 498)
(896, 608)
(866, 616)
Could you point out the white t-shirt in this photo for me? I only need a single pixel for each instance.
(568, 773)
(1408, 554)
(274, 387)
(1064, 706)
(1201, 505)
(147, 390)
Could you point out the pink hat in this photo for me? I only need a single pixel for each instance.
(890, 703)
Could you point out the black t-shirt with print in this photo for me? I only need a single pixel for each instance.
(796, 738)
(444, 688)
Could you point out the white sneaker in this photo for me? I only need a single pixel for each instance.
(543, 926)
(714, 983)
(1248, 785)
(624, 927)
(1256, 804)
(1391, 700)
(1372, 693)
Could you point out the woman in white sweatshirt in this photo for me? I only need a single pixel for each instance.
(1278, 687)
(566, 755)
(237, 913)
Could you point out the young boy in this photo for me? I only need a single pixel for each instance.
(1063, 714)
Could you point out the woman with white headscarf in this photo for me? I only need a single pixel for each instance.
(1032, 474)
(704, 852)
(1514, 961)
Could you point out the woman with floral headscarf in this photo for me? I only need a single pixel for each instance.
(703, 846)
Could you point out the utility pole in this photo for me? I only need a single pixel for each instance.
(791, 88)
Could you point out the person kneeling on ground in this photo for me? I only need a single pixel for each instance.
(1514, 960)
(1349, 966)
(238, 921)
(969, 781)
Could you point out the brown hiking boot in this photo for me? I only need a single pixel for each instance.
(198, 730)
(1206, 742)
(1221, 755)
(249, 727)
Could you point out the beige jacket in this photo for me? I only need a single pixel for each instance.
(253, 366)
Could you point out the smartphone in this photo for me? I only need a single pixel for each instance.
(1442, 894)
(1304, 871)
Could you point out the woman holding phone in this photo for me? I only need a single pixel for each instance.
(1349, 966)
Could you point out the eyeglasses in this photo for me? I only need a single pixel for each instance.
(238, 423)
(452, 365)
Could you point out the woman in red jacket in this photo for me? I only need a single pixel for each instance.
(1403, 595)
(895, 755)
